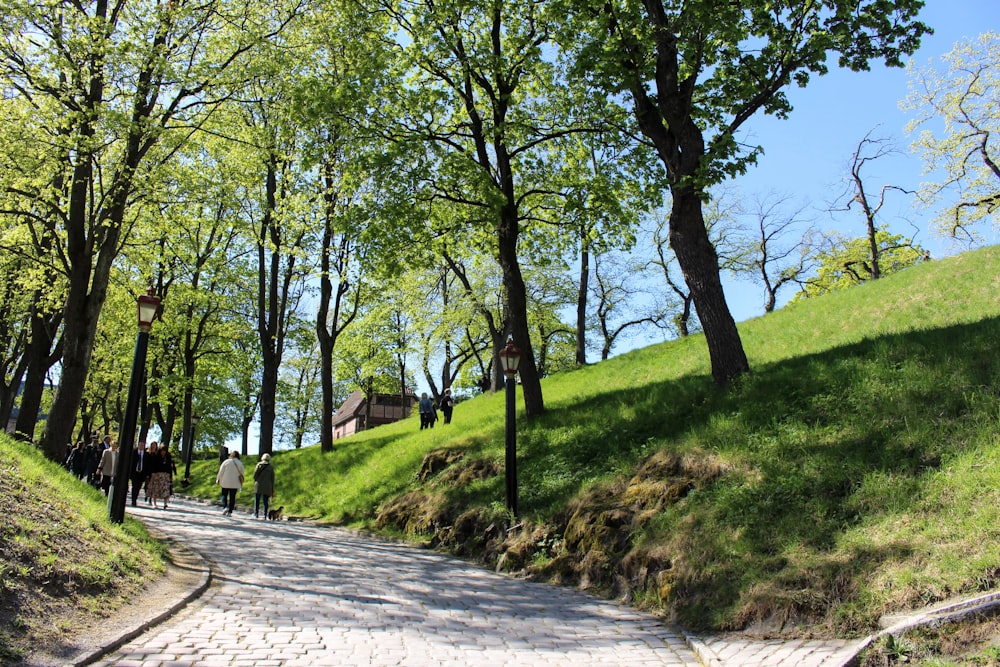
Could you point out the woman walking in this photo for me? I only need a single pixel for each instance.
(158, 486)
(162, 480)
(106, 467)
(230, 478)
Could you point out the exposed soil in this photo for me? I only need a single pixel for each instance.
(52, 601)
(974, 642)
(590, 546)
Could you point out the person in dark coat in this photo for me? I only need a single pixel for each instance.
(141, 466)
(447, 405)
(263, 485)
(93, 458)
(427, 413)
(77, 461)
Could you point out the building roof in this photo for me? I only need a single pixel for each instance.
(354, 406)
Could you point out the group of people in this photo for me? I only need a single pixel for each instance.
(153, 470)
(93, 461)
(231, 477)
(428, 411)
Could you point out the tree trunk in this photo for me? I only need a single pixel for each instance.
(9, 393)
(269, 307)
(517, 305)
(326, 343)
(581, 303)
(80, 313)
(700, 265)
(268, 393)
(334, 261)
(40, 358)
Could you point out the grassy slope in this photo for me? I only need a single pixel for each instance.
(853, 472)
(62, 565)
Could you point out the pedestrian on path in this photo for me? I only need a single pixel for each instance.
(162, 476)
(447, 405)
(109, 458)
(230, 478)
(141, 467)
(427, 413)
(263, 485)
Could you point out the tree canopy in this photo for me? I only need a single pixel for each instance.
(416, 180)
(957, 128)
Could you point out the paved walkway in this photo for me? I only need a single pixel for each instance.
(291, 593)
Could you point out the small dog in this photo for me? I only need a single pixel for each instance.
(275, 514)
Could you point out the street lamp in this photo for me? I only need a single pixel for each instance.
(195, 418)
(149, 306)
(510, 358)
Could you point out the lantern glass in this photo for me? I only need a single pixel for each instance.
(195, 418)
(510, 358)
(148, 306)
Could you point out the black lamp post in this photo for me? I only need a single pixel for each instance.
(195, 418)
(149, 306)
(510, 358)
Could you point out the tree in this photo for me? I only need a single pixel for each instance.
(366, 358)
(609, 185)
(339, 82)
(30, 240)
(870, 149)
(117, 90)
(201, 272)
(487, 119)
(280, 209)
(695, 73)
(678, 296)
(618, 290)
(340, 286)
(774, 263)
(299, 387)
(844, 262)
(14, 313)
(964, 98)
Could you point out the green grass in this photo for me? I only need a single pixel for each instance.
(855, 471)
(60, 556)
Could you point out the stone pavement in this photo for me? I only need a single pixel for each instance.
(295, 593)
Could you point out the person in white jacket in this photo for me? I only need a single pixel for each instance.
(230, 478)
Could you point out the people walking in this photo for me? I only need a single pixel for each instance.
(263, 485)
(230, 478)
(106, 468)
(92, 456)
(426, 407)
(447, 405)
(160, 478)
(77, 461)
(140, 468)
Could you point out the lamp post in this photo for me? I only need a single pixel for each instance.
(149, 306)
(510, 358)
(195, 418)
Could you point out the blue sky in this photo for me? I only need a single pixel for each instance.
(807, 157)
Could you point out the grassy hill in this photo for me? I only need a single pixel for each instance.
(63, 566)
(855, 471)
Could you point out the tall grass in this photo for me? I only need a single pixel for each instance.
(61, 559)
(859, 456)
